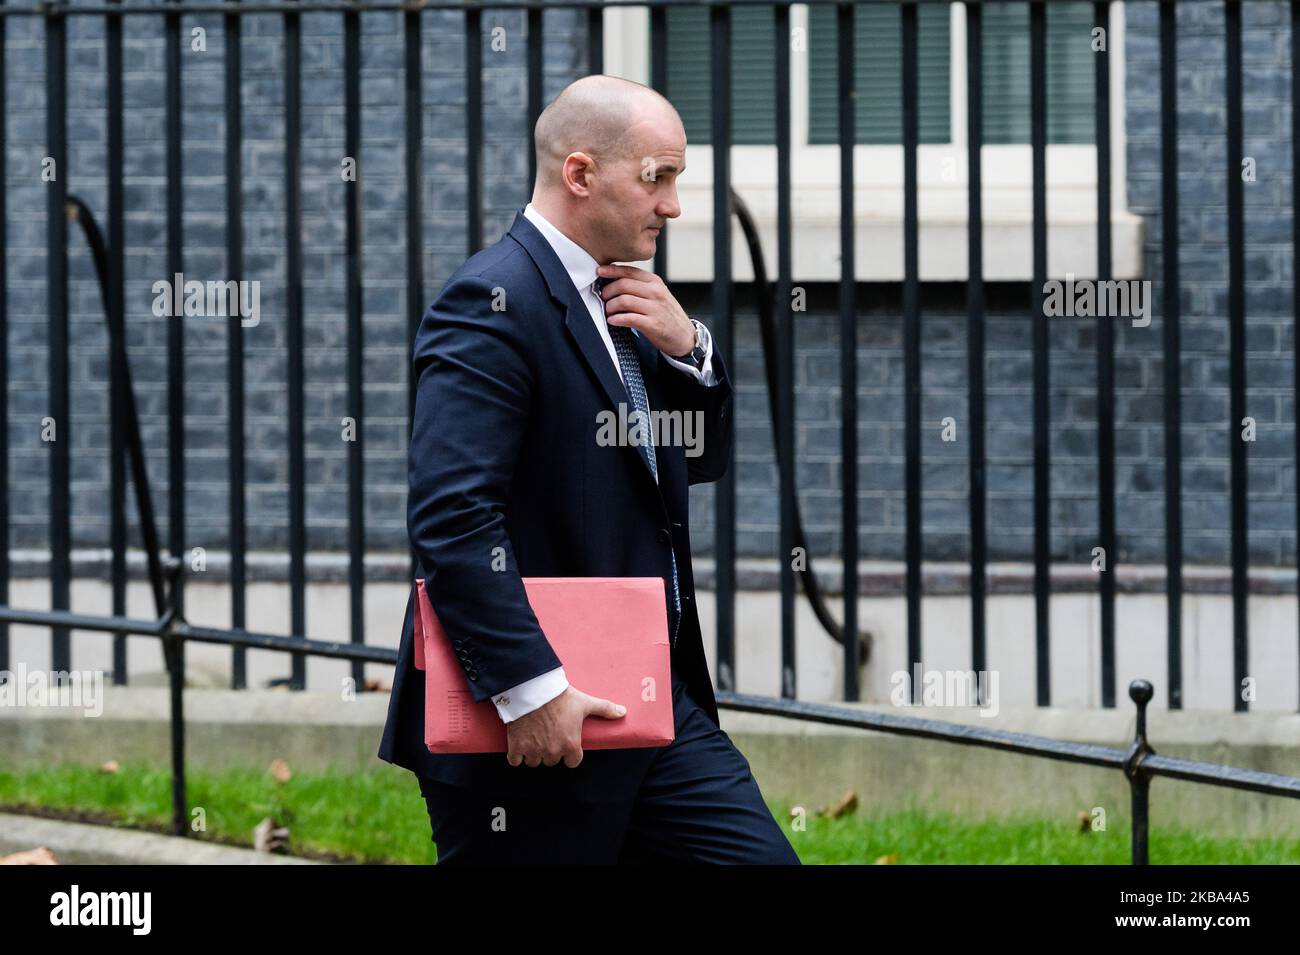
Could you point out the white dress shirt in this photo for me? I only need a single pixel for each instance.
(581, 266)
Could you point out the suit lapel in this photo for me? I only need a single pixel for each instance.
(580, 326)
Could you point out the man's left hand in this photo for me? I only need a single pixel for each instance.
(640, 299)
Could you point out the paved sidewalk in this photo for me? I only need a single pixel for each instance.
(77, 843)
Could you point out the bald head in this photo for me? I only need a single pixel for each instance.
(608, 155)
(603, 116)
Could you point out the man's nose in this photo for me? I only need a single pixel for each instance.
(672, 208)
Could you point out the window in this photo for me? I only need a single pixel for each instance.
(1069, 73)
(753, 81)
(879, 67)
(878, 155)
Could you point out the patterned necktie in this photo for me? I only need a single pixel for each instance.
(625, 348)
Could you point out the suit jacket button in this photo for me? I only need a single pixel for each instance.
(664, 536)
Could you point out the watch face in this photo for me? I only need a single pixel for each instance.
(697, 354)
(702, 348)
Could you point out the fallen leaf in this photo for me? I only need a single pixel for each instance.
(37, 856)
(270, 837)
(891, 859)
(847, 804)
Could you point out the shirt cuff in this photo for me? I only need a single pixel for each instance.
(530, 695)
(704, 375)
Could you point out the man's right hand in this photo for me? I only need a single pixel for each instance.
(554, 731)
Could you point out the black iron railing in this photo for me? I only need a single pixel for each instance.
(167, 575)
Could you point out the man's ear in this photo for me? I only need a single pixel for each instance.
(578, 182)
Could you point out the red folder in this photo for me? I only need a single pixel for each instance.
(611, 635)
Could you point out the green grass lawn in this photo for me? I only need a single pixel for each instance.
(379, 816)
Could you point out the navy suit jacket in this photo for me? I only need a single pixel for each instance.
(503, 454)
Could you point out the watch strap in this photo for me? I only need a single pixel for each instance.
(696, 355)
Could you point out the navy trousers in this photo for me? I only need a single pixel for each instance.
(698, 803)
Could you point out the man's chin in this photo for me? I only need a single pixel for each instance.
(643, 253)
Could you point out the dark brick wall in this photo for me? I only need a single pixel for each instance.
(1203, 258)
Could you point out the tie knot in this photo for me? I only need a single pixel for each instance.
(598, 285)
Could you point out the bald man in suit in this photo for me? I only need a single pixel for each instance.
(530, 345)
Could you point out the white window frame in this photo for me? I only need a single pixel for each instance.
(878, 193)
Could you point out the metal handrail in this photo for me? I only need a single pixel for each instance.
(767, 331)
(80, 213)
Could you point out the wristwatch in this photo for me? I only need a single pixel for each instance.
(697, 354)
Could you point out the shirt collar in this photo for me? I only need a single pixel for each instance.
(577, 261)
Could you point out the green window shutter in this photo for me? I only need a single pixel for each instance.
(878, 68)
(1069, 73)
(753, 77)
